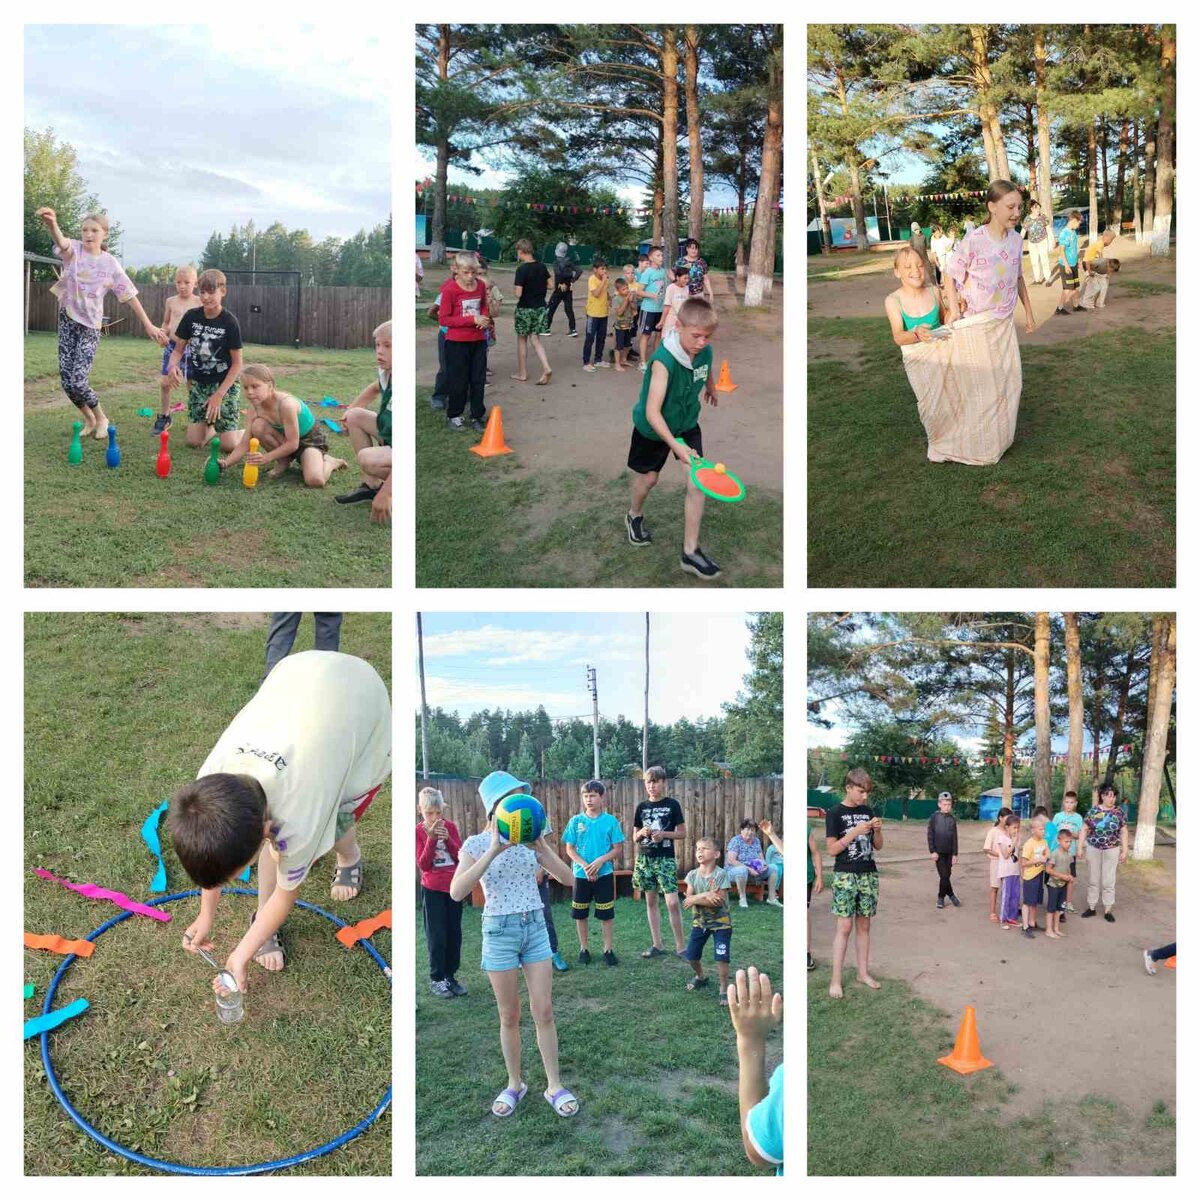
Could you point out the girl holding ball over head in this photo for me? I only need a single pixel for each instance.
(515, 940)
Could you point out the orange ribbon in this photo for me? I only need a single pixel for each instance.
(364, 929)
(59, 945)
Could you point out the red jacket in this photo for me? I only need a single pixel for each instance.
(458, 310)
(437, 879)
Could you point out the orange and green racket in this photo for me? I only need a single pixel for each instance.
(717, 481)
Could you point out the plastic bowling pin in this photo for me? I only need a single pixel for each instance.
(75, 453)
(212, 468)
(162, 467)
(250, 473)
(112, 456)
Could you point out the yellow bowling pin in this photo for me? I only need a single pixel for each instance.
(249, 472)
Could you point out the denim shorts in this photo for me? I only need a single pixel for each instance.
(514, 940)
(699, 936)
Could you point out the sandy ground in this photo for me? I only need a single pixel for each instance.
(861, 292)
(583, 420)
(1028, 993)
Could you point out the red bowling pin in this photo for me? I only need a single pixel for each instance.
(162, 467)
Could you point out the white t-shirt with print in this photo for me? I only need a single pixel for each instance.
(510, 883)
(318, 736)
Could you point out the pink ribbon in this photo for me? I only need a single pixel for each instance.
(98, 893)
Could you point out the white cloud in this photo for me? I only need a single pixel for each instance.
(471, 696)
(496, 646)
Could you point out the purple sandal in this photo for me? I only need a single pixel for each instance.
(561, 1098)
(512, 1098)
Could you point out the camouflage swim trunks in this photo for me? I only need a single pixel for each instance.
(199, 395)
(855, 895)
(655, 875)
(529, 320)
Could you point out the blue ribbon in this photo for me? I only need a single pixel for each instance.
(150, 837)
(51, 1020)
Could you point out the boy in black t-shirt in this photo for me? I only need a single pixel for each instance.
(529, 320)
(657, 826)
(852, 835)
(215, 339)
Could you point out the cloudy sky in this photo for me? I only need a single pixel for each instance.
(520, 660)
(191, 129)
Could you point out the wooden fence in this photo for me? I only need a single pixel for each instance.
(711, 807)
(339, 318)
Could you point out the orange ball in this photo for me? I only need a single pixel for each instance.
(720, 468)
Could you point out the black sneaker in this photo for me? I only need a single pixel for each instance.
(954, 900)
(456, 987)
(610, 959)
(1087, 912)
(699, 564)
(437, 403)
(360, 493)
(162, 422)
(1028, 932)
(455, 423)
(1110, 918)
(635, 527)
(477, 425)
(812, 966)
(941, 902)
(585, 957)
(1062, 312)
(440, 987)
(573, 333)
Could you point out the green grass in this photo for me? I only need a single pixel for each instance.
(120, 710)
(879, 1103)
(654, 1066)
(488, 523)
(1084, 497)
(1144, 287)
(88, 526)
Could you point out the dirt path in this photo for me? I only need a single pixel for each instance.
(583, 420)
(862, 291)
(1034, 999)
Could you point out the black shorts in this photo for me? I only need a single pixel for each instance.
(1031, 891)
(1056, 898)
(602, 890)
(1070, 276)
(810, 895)
(624, 338)
(649, 454)
(650, 321)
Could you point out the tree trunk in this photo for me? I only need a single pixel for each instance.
(1133, 181)
(989, 148)
(1041, 709)
(826, 230)
(437, 235)
(1104, 170)
(1118, 729)
(691, 73)
(993, 134)
(1074, 704)
(1122, 164)
(1010, 718)
(1093, 215)
(1148, 186)
(1155, 751)
(1097, 706)
(670, 144)
(1164, 183)
(1031, 148)
(1152, 677)
(1043, 123)
(762, 248)
(656, 220)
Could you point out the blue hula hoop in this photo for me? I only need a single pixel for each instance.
(180, 1168)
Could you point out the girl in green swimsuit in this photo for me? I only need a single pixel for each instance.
(286, 429)
(914, 309)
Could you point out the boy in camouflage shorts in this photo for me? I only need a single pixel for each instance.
(852, 835)
(657, 825)
(214, 337)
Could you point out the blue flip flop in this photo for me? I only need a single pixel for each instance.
(510, 1097)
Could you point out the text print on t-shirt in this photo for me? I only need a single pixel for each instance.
(271, 756)
(700, 374)
(861, 848)
(208, 348)
(470, 305)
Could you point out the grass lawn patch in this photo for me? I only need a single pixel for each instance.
(1085, 495)
(493, 523)
(654, 1066)
(89, 526)
(872, 1067)
(120, 710)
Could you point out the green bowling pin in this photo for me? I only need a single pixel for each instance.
(75, 454)
(212, 468)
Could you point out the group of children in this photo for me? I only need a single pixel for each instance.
(202, 348)
(675, 325)
(518, 936)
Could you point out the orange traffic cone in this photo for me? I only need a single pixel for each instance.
(493, 436)
(724, 383)
(1170, 962)
(966, 1056)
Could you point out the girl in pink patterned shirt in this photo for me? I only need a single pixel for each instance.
(89, 271)
(986, 265)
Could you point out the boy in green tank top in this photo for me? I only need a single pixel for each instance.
(666, 421)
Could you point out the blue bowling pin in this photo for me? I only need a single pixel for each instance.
(112, 456)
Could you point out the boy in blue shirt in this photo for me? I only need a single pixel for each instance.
(592, 839)
(1067, 253)
(1069, 819)
(652, 284)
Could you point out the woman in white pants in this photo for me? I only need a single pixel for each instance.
(1106, 835)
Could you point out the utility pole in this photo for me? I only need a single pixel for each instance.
(424, 734)
(646, 704)
(591, 679)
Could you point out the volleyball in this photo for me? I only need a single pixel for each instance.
(520, 819)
